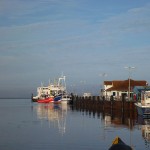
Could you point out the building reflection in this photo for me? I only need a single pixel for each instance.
(111, 117)
(55, 114)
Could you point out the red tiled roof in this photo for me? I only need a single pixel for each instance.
(124, 85)
(107, 82)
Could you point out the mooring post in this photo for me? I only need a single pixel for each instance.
(111, 103)
(123, 101)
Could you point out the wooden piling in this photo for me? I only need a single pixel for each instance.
(97, 102)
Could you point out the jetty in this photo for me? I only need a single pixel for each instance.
(100, 102)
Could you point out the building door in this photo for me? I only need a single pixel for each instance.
(123, 96)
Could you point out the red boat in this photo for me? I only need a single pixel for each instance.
(46, 100)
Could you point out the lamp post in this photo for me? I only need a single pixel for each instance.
(129, 69)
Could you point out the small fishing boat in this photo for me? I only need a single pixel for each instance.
(143, 107)
(118, 144)
(66, 98)
(58, 98)
(46, 100)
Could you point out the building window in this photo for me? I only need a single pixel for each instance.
(114, 93)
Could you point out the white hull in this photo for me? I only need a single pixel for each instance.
(65, 99)
(143, 110)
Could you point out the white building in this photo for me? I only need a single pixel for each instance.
(120, 88)
(87, 95)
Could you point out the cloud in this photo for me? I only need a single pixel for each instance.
(73, 31)
(31, 11)
(133, 21)
(76, 36)
(42, 38)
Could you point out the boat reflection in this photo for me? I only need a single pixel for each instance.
(145, 128)
(55, 114)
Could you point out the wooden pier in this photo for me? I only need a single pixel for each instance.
(95, 105)
(98, 102)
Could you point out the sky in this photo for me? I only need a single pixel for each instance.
(83, 39)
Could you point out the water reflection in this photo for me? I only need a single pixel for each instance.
(145, 129)
(55, 114)
(111, 117)
(112, 120)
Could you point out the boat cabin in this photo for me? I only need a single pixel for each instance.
(142, 94)
(145, 97)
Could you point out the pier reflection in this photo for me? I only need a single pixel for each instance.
(111, 117)
(55, 114)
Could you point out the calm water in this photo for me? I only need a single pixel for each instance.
(31, 126)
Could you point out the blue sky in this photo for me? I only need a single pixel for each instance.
(40, 39)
